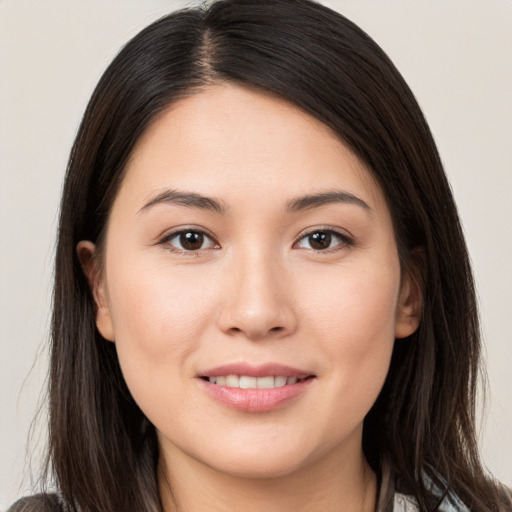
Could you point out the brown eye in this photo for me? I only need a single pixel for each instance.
(320, 240)
(189, 240)
(323, 240)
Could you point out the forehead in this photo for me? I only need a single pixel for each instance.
(227, 140)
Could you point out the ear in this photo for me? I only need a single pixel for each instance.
(86, 255)
(410, 305)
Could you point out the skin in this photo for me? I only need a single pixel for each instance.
(256, 291)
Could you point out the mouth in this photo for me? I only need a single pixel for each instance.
(251, 382)
(248, 388)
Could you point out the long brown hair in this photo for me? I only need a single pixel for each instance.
(103, 452)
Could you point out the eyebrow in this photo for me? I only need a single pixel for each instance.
(316, 200)
(306, 202)
(189, 199)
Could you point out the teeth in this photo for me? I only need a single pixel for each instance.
(280, 382)
(232, 381)
(265, 382)
(247, 382)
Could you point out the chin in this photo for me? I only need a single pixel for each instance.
(259, 467)
(267, 457)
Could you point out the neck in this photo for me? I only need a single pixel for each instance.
(332, 485)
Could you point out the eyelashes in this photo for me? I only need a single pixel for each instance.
(189, 240)
(323, 240)
(192, 241)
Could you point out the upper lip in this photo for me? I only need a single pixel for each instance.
(260, 370)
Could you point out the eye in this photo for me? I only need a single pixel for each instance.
(323, 240)
(189, 240)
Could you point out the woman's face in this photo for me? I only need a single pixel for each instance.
(249, 247)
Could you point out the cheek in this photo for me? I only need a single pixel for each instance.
(158, 319)
(359, 306)
(155, 304)
(356, 329)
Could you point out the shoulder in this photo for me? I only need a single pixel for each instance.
(450, 503)
(38, 503)
(404, 503)
(401, 499)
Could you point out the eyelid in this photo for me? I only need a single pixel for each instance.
(346, 239)
(168, 236)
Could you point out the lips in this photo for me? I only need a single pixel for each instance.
(249, 382)
(249, 388)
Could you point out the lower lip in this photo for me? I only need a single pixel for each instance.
(256, 400)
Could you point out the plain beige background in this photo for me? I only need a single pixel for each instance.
(455, 54)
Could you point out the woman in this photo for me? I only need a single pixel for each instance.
(263, 298)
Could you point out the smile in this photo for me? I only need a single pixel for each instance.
(249, 382)
(248, 388)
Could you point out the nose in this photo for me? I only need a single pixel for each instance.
(258, 301)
